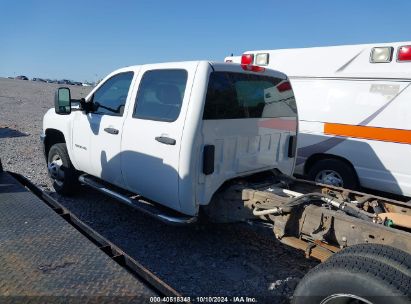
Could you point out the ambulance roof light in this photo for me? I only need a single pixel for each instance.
(404, 53)
(381, 54)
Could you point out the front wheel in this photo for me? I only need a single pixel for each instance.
(61, 170)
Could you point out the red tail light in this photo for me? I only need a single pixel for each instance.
(252, 68)
(284, 86)
(247, 59)
(404, 53)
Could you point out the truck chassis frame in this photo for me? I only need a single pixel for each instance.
(322, 219)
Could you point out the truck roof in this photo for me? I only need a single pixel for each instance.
(217, 66)
(338, 61)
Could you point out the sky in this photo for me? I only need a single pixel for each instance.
(86, 40)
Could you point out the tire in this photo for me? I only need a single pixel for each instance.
(61, 170)
(396, 258)
(353, 279)
(335, 172)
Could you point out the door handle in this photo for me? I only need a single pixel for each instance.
(111, 131)
(166, 140)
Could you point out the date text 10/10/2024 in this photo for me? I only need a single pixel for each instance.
(203, 300)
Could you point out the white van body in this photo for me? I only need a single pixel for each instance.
(353, 110)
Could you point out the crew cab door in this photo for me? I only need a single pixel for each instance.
(153, 130)
(97, 134)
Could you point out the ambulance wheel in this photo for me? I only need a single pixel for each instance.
(333, 172)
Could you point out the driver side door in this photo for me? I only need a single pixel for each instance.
(103, 124)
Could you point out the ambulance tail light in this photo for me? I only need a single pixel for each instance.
(284, 86)
(404, 53)
(252, 68)
(247, 59)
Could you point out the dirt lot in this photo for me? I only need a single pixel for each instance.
(211, 260)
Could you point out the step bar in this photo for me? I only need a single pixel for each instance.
(160, 213)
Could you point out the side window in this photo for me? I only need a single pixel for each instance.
(111, 97)
(238, 95)
(160, 95)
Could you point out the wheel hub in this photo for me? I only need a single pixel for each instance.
(329, 177)
(55, 169)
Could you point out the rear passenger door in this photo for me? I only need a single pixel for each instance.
(153, 130)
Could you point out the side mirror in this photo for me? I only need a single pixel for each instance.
(86, 106)
(62, 101)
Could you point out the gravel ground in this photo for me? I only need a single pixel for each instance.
(208, 260)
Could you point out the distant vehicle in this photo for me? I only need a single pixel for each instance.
(87, 84)
(21, 77)
(65, 81)
(38, 79)
(10, 77)
(77, 83)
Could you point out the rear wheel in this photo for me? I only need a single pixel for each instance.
(61, 169)
(333, 172)
(352, 279)
(394, 257)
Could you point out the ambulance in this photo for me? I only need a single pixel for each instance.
(354, 107)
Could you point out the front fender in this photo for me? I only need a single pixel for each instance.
(61, 123)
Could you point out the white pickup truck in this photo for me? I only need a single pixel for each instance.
(174, 132)
(175, 140)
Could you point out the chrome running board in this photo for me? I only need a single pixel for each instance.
(157, 212)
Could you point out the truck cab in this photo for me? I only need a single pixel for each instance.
(173, 133)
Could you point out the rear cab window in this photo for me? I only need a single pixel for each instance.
(233, 95)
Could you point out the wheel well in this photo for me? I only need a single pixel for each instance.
(226, 204)
(53, 136)
(317, 157)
